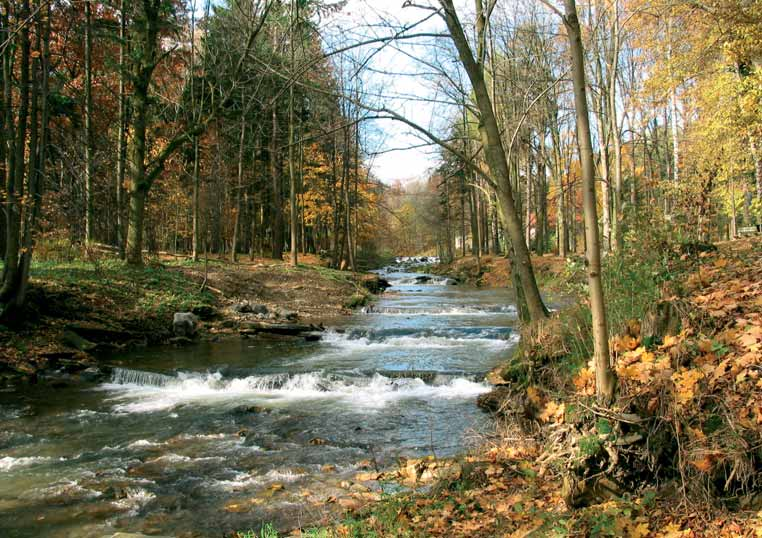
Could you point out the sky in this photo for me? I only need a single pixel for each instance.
(402, 77)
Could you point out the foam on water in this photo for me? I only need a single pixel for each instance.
(423, 280)
(454, 311)
(135, 499)
(248, 480)
(67, 490)
(8, 463)
(424, 340)
(144, 443)
(362, 391)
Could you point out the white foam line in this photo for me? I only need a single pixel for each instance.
(374, 392)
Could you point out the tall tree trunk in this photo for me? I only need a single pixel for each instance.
(89, 198)
(605, 178)
(604, 375)
(476, 240)
(277, 197)
(617, 199)
(15, 169)
(239, 193)
(733, 212)
(37, 154)
(755, 152)
(462, 215)
(145, 39)
(496, 160)
(136, 153)
(528, 193)
(673, 107)
(291, 172)
(196, 209)
(122, 134)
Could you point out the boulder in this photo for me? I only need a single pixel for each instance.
(291, 329)
(246, 307)
(131, 535)
(375, 284)
(288, 315)
(204, 312)
(185, 324)
(72, 339)
(92, 374)
(259, 309)
(495, 400)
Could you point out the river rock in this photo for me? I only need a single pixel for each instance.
(72, 339)
(246, 307)
(375, 284)
(92, 374)
(249, 410)
(288, 315)
(131, 535)
(422, 279)
(204, 312)
(185, 324)
(495, 400)
(288, 329)
(180, 341)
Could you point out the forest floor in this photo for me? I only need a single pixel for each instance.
(495, 271)
(77, 309)
(677, 454)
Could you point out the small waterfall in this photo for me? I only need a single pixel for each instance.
(446, 311)
(430, 377)
(125, 376)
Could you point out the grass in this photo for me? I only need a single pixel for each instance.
(155, 291)
(377, 520)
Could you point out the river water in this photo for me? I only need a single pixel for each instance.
(218, 437)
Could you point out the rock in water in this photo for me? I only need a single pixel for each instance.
(185, 324)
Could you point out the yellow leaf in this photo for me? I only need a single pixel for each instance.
(669, 341)
(552, 412)
(704, 464)
(639, 531)
(534, 396)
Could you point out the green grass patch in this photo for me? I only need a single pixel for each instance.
(156, 291)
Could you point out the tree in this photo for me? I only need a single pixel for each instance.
(605, 378)
(23, 144)
(495, 153)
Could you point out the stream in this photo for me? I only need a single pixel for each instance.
(226, 436)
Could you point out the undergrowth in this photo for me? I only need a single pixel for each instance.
(151, 290)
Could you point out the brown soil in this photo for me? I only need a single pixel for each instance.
(495, 271)
(114, 307)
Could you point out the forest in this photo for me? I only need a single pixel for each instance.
(400, 268)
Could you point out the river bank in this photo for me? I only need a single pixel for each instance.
(675, 456)
(78, 310)
(493, 271)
